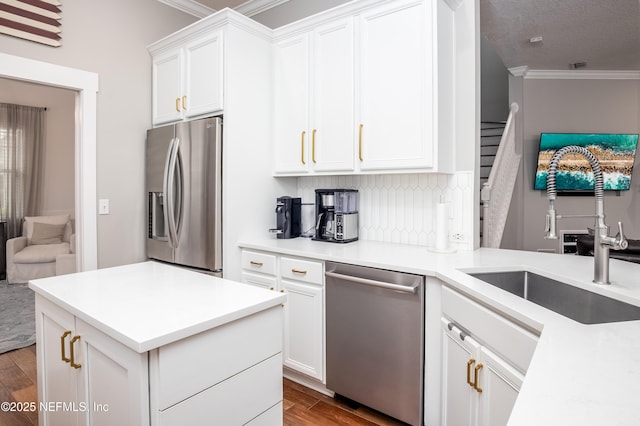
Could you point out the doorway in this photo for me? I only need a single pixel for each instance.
(85, 86)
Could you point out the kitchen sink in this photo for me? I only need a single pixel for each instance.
(580, 305)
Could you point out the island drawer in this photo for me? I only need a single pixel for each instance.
(235, 401)
(182, 369)
(308, 271)
(259, 262)
(504, 336)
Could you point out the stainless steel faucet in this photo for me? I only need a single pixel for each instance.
(602, 242)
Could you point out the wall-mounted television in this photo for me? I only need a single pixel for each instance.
(615, 153)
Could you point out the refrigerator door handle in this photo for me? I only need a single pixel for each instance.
(178, 179)
(168, 193)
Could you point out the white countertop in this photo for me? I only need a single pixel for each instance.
(150, 304)
(579, 375)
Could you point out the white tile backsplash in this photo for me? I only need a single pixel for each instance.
(400, 208)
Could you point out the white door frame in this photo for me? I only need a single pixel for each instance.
(85, 84)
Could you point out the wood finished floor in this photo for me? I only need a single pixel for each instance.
(302, 406)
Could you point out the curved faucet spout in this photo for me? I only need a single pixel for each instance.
(602, 241)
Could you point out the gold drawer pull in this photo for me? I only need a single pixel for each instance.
(360, 142)
(302, 146)
(73, 361)
(64, 356)
(469, 364)
(476, 378)
(313, 145)
(298, 271)
(254, 263)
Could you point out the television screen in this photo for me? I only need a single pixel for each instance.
(615, 153)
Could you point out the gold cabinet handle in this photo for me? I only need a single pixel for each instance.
(476, 377)
(62, 345)
(313, 145)
(184, 107)
(282, 291)
(73, 361)
(254, 263)
(302, 147)
(299, 271)
(178, 104)
(360, 141)
(469, 364)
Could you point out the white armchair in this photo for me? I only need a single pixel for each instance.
(46, 248)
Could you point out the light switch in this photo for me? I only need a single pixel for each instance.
(103, 206)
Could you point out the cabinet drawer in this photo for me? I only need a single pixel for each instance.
(234, 401)
(259, 280)
(271, 417)
(301, 270)
(259, 262)
(505, 337)
(184, 368)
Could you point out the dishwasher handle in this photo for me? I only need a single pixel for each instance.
(396, 287)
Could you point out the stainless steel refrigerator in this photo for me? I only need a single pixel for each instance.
(184, 194)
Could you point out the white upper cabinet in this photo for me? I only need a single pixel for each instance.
(395, 96)
(314, 100)
(187, 79)
(204, 75)
(292, 105)
(357, 90)
(333, 130)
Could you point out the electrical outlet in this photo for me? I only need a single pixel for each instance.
(458, 237)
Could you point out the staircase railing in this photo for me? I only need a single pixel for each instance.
(497, 191)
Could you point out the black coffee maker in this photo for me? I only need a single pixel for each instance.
(288, 212)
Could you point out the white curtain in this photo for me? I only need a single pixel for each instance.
(21, 164)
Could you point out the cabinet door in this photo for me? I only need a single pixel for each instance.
(204, 75)
(333, 130)
(395, 102)
(291, 138)
(303, 328)
(57, 380)
(167, 87)
(460, 358)
(500, 384)
(115, 380)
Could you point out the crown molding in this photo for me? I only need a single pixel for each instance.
(453, 4)
(253, 7)
(519, 71)
(581, 75)
(191, 7)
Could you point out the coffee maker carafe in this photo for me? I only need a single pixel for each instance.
(336, 215)
(288, 211)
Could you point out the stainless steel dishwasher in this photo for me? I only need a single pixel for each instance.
(375, 339)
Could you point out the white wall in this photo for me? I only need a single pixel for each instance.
(58, 178)
(580, 106)
(110, 39)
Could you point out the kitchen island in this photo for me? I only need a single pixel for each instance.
(578, 374)
(150, 343)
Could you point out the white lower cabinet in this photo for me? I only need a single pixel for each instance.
(84, 376)
(484, 358)
(231, 374)
(479, 387)
(303, 282)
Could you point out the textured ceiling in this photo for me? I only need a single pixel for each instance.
(603, 33)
